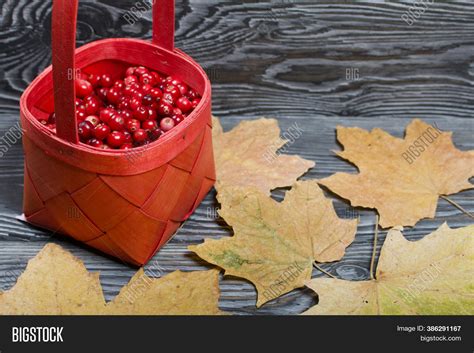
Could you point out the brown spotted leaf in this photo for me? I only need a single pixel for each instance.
(57, 283)
(275, 244)
(247, 156)
(401, 178)
(432, 276)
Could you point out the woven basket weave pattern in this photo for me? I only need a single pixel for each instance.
(128, 217)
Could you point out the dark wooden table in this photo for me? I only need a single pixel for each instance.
(319, 64)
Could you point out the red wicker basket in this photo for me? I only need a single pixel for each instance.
(126, 207)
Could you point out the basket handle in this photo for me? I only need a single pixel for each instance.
(63, 38)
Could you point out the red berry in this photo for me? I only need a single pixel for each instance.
(192, 95)
(141, 113)
(52, 118)
(177, 118)
(101, 131)
(80, 114)
(135, 103)
(113, 95)
(79, 102)
(84, 130)
(130, 71)
(146, 89)
(127, 114)
(106, 81)
(152, 113)
(95, 143)
(156, 76)
(141, 70)
(148, 99)
(130, 79)
(124, 103)
(138, 95)
(165, 109)
(119, 84)
(149, 125)
(106, 114)
(94, 120)
(168, 98)
(116, 139)
(183, 88)
(195, 102)
(94, 80)
(83, 88)
(117, 122)
(133, 125)
(147, 79)
(102, 93)
(173, 90)
(126, 146)
(167, 124)
(184, 104)
(155, 134)
(156, 92)
(93, 105)
(128, 137)
(140, 135)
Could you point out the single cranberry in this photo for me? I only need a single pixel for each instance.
(177, 118)
(106, 81)
(130, 79)
(102, 93)
(126, 146)
(78, 102)
(139, 95)
(147, 79)
(101, 131)
(155, 105)
(127, 114)
(167, 124)
(155, 92)
(192, 95)
(113, 95)
(117, 122)
(184, 104)
(106, 114)
(129, 90)
(141, 70)
(85, 130)
(95, 143)
(94, 80)
(148, 99)
(116, 139)
(141, 113)
(168, 98)
(149, 125)
(93, 119)
(183, 88)
(146, 89)
(195, 102)
(128, 137)
(165, 109)
(124, 103)
(152, 113)
(156, 76)
(132, 125)
(130, 71)
(135, 103)
(155, 134)
(80, 114)
(173, 90)
(119, 84)
(140, 135)
(83, 88)
(93, 106)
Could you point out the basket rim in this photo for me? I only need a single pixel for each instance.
(37, 132)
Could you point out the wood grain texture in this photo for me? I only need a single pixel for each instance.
(284, 59)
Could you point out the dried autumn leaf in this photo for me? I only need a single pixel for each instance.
(401, 178)
(179, 293)
(57, 283)
(247, 156)
(432, 276)
(275, 244)
(54, 283)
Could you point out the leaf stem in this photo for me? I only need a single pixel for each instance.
(458, 206)
(374, 249)
(323, 271)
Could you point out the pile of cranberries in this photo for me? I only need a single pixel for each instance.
(130, 112)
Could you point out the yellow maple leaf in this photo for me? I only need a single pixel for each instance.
(247, 156)
(432, 276)
(57, 283)
(275, 244)
(401, 178)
